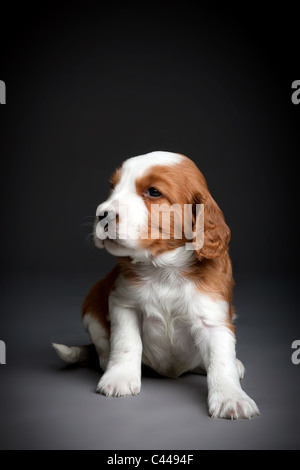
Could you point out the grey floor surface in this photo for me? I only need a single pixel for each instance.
(45, 405)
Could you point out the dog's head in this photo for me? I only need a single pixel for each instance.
(155, 206)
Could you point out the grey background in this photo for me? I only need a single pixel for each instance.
(87, 87)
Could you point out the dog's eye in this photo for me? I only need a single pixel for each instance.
(153, 192)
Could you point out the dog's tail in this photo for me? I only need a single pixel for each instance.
(75, 354)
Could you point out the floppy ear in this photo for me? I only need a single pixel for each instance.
(216, 231)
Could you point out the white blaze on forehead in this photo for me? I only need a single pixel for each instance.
(142, 163)
(135, 167)
(124, 200)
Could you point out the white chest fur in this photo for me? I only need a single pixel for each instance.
(171, 312)
(166, 323)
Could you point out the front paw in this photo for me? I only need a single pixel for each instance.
(234, 404)
(120, 381)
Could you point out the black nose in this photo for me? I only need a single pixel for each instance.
(104, 224)
(107, 216)
(101, 217)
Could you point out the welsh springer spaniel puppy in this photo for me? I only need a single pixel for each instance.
(168, 302)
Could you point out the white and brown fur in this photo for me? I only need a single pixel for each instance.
(163, 305)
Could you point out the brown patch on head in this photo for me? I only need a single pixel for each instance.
(216, 231)
(180, 184)
(170, 182)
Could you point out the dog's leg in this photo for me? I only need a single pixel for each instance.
(123, 372)
(226, 399)
(240, 366)
(100, 337)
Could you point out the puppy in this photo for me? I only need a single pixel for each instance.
(168, 302)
